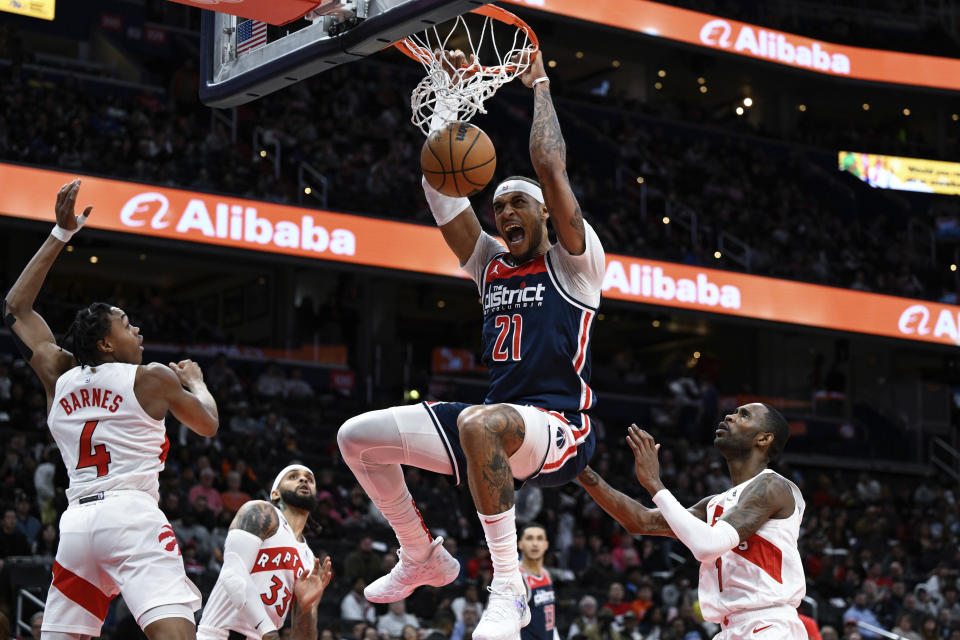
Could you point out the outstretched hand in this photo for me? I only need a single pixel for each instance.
(645, 457)
(309, 590)
(66, 201)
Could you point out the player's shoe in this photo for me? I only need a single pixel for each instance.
(506, 612)
(438, 570)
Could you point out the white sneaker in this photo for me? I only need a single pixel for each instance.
(439, 569)
(505, 614)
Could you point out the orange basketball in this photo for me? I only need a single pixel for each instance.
(458, 160)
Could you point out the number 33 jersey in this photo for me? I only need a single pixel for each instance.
(281, 562)
(107, 440)
(765, 570)
(538, 319)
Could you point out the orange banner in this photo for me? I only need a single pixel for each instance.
(744, 39)
(162, 212)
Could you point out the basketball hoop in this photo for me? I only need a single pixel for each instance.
(458, 94)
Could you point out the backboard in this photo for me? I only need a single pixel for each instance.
(243, 59)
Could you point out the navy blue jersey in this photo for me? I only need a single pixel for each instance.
(536, 336)
(542, 608)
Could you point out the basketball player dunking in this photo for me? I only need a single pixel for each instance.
(543, 619)
(106, 413)
(539, 304)
(268, 569)
(751, 576)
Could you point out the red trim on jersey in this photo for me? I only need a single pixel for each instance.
(165, 449)
(537, 581)
(764, 554)
(84, 593)
(503, 270)
(759, 551)
(580, 358)
(277, 559)
(582, 340)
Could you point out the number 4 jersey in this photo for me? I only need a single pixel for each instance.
(281, 562)
(538, 319)
(107, 440)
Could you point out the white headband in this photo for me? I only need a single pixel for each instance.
(522, 186)
(286, 470)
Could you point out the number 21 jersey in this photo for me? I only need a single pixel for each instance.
(538, 320)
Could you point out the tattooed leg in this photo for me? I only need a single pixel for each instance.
(489, 435)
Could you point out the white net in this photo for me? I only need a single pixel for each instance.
(448, 94)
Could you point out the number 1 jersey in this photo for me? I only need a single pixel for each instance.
(538, 319)
(107, 440)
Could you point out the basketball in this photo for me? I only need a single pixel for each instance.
(458, 160)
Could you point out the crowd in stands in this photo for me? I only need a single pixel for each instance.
(799, 217)
(881, 549)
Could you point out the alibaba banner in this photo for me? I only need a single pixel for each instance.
(749, 40)
(42, 9)
(902, 174)
(161, 212)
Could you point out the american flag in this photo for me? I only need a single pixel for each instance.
(250, 35)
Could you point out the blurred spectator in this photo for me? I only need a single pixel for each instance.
(26, 523)
(470, 597)
(12, 540)
(354, 607)
(588, 617)
(470, 616)
(206, 489)
(391, 624)
(363, 562)
(233, 498)
(860, 612)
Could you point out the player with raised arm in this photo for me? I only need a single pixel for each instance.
(751, 574)
(106, 412)
(539, 305)
(268, 569)
(533, 546)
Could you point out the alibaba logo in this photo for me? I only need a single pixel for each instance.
(137, 209)
(716, 33)
(915, 319)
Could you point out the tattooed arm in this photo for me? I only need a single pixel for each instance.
(255, 522)
(257, 517)
(632, 516)
(548, 152)
(303, 621)
(768, 497)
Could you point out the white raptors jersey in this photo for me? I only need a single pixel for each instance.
(281, 562)
(763, 571)
(107, 440)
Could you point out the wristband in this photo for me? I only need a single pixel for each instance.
(539, 80)
(444, 208)
(64, 235)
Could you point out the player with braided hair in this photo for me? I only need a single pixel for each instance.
(106, 411)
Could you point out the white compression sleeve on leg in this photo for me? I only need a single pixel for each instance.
(239, 554)
(444, 208)
(705, 542)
